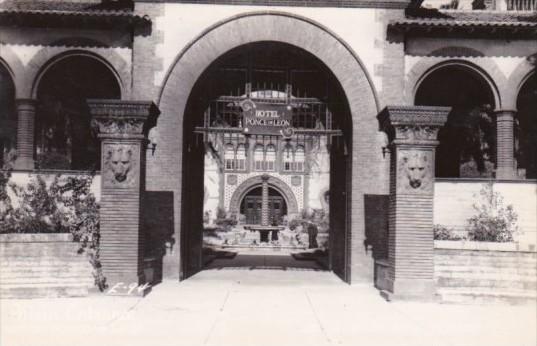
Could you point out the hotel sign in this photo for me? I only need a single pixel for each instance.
(266, 118)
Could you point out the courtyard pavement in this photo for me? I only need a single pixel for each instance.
(261, 300)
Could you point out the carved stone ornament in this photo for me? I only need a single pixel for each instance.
(118, 125)
(117, 118)
(121, 165)
(414, 171)
(413, 124)
(296, 180)
(418, 133)
(232, 179)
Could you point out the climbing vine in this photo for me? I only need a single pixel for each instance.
(65, 205)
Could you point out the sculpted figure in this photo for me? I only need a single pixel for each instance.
(120, 163)
(415, 168)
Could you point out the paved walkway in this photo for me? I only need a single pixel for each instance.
(234, 305)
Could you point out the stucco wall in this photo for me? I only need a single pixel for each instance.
(179, 24)
(453, 201)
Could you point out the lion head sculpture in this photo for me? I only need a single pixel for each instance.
(120, 163)
(416, 167)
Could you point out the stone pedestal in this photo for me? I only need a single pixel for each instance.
(505, 153)
(25, 133)
(412, 132)
(123, 127)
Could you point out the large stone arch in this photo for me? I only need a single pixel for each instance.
(273, 182)
(457, 56)
(362, 140)
(45, 58)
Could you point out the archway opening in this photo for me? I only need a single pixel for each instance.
(251, 207)
(526, 131)
(468, 140)
(307, 155)
(8, 119)
(63, 134)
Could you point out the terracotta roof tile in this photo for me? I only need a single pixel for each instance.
(474, 17)
(29, 6)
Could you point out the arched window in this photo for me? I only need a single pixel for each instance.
(270, 158)
(287, 158)
(229, 157)
(468, 140)
(241, 157)
(300, 158)
(8, 118)
(64, 138)
(526, 134)
(259, 158)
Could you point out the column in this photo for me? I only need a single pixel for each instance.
(264, 201)
(412, 132)
(505, 150)
(123, 127)
(25, 133)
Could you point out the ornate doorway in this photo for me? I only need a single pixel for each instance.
(252, 207)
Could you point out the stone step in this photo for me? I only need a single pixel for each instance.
(46, 280)
(487, 274)
(492, 284)
(65, 274)
(484, 260)
(43, 291)
(487, 266)
(45, 266)
(58, 259)
(31, 256)
(504, 274)
(481, 296)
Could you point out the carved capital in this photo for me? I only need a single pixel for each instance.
(123, 119)
(413, 124)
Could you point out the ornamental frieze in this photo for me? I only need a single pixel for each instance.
(118, 126)
(411, 132)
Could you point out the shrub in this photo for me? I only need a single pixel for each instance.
(224, 220)
(443, 233)
(317, 217)
(493, 221)
(5, 200)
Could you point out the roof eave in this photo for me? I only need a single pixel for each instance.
(500, 30)
(69, 19)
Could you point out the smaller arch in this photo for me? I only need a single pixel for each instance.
(64, 138)
(273, 182)
(516, 80)
(427, 66)
(42, 62)
(467, 141)
(8, 116)
(11, 62)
